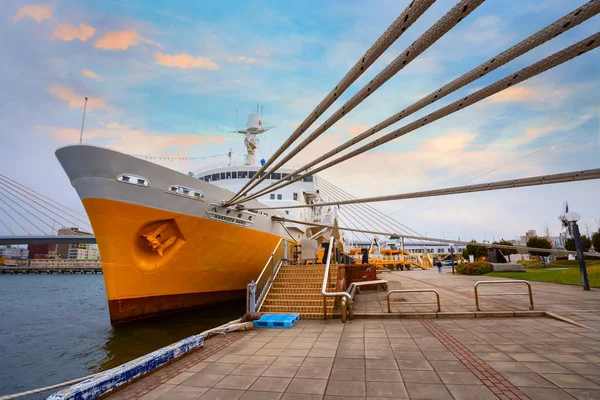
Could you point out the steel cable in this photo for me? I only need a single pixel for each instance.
(42, 197)
(575, 176)
(432, 35)
(522, 75)
(43, 213)
(560, 26)
(412, 12)
(4, 223)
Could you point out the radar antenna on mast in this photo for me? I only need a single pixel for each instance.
(254, 127)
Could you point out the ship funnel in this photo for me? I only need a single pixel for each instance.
(254, 123)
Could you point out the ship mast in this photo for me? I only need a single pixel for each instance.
(254, 127)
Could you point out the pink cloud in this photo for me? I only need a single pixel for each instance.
(89, 74)
(71, 32)
(184, 61)
(515, 94)
(120, 40)
(127, 140)
(75, 100)
(116, 125)
(37, 13)
(357, 129)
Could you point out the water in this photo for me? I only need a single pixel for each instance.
(54, 328)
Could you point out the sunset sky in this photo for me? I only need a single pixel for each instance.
(165, 78)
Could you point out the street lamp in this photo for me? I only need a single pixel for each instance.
(452, 256)
(573, 217)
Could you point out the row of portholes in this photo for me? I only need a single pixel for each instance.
(174, 189)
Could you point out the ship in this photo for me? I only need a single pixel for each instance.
(167, 241)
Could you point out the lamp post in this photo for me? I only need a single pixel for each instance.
(573, 217)
(452, 256)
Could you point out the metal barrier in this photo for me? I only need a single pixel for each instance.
(256, 291)
(326, 280)
(353, 289)
(437, 295)
(530, 293)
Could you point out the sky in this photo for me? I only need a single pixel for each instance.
(166, 79)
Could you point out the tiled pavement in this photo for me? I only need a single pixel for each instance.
(506, 358)
(463, 358)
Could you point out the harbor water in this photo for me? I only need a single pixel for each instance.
(54, 328)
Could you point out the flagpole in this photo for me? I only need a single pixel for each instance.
(83, 120)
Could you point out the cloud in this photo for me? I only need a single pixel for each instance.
(515, 94)
(185, 61)
(38, 13)
(116, 125)
(357, 129)
(71, 32)
(120, 40)
(89, 74)
(123, 139)
(243, 59)
(75, 100)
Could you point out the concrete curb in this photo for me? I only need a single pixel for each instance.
(104, 382)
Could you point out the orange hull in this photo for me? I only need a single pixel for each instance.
(195, 261)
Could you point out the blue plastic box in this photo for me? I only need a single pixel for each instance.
(277, 321)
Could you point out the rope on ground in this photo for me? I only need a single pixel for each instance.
(579, 48)
(462, 9)
(583, 175)
(412, 12)
(558, 27)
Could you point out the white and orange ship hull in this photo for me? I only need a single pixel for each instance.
(164, 248)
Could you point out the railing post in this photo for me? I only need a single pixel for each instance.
(476, 298)
(251, 299)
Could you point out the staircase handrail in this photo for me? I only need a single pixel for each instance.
(326, 280)
(254, 302)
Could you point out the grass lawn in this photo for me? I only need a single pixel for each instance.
(557, 264)
(567, 277)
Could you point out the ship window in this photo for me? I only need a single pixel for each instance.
(279, 197)
(287, 212)
(141, 181)
(307, 179)
(215, 177)
(272, 196)
(275, 175)
(262, 174)
(222, 175)
(207, 178)
(228, 175)
(234, 175)
(242, 174)
(295, 196)
(252, 173)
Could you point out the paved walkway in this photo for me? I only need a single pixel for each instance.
(463, 358)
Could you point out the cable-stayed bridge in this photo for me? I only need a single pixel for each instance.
(30, 217)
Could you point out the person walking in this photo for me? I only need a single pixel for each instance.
(438, 264)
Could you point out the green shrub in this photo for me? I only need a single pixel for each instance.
(474, 268)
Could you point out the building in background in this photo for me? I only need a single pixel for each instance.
(77, 251)
(13, 253)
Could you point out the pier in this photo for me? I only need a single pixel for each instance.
(49, 270)
(503, 352)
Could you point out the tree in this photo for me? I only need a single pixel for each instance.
(546, 230)
(476, 251)
(506, 252)
(596, 240)
(540, 243)
(586, 243)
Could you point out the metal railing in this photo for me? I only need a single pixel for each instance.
(437, 295)
(326, 294)
(530, 293)
(257, 291)
(354, 289)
